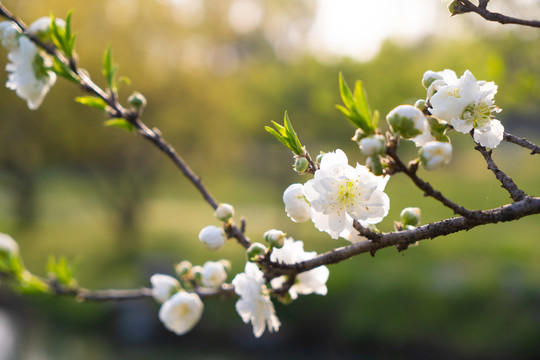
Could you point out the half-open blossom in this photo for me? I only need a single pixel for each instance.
(9, 33)
(8, 245)
(406, 120)
(339, 194)
(308, 282)
(254, 304)
(435, 154)
(296, 205)
(181, 312)
(212, 237)
(163, 286)
(213, 274)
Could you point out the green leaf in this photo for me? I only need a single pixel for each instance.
(109, 69)
(64, 71)
(360, 101)
(356, 107)
(91, 101)
(292, 134)
(345, 92)
(120, 123)
(286, 135)
(277, 136)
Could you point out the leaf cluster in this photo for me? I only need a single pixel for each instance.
(286, 135)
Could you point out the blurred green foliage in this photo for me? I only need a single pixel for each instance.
(116, 207)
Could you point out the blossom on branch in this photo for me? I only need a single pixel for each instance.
(163, 286)
(296, 204)
(468, 104)
(435, 154)
(212, 237)
(254, 304)
(181, 312)
(28, 67)
(213, 274)
(308, 282)
(340, 194)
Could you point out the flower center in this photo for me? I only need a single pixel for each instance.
(479, 114)
(346, 193)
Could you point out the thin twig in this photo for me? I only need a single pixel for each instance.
(522, 142)
(506, 181)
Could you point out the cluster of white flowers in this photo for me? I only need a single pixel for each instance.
(28, 67)
(181, 310)
(254, 304)
(309, 282)
(337, 195)
(466, 104)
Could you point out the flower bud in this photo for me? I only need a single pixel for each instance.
(275, 238)
(212, 237)
(9, 33)
(137, 100)
(406, 120)
(8, 246)
(301, 164)
(224, 212)
(181, 312)
(435, 154)
(455, 8)
(197, 271)
(183, 268)
(213, 274)
(163, 286)
(420, 104)
(319, 157)
(429, 77)
(296, 204)
(373, 145)
(256, 250)
(410, 216)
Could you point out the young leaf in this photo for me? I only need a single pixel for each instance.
(286, 135)
(109, 69)
(356, 107)
(120, 123)
(91, 101)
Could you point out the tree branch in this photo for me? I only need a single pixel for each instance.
(506, 181)
(402, 239)
(522, 142)
(466, 6)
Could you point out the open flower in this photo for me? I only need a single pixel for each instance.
(469, 104)
(163, 286)
(308, 282)
(181, 312)
(339, 194)
(254, 304)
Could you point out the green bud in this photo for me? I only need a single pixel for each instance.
(197, 273)
(255, 251)
(301, 164)
(285, 299)
(455, 8)
(410, 216)
(420, 104)
(137, 100)
(275, 238)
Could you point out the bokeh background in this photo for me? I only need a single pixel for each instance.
(215, 73)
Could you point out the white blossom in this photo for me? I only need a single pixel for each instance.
(43, 24)
(372, 145)
(181, 312)
(28, 74)
(212, 237)
(254, 304)
(469, 104)
(9, 33)
(8, 245)
(339, 194)
(491, 137)
(163, 286)
(224, 212)
(435, 154)
(308, 282)
(213, 274)
(407, 120)
(296, 204)
(435, 80)
(274, 237)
